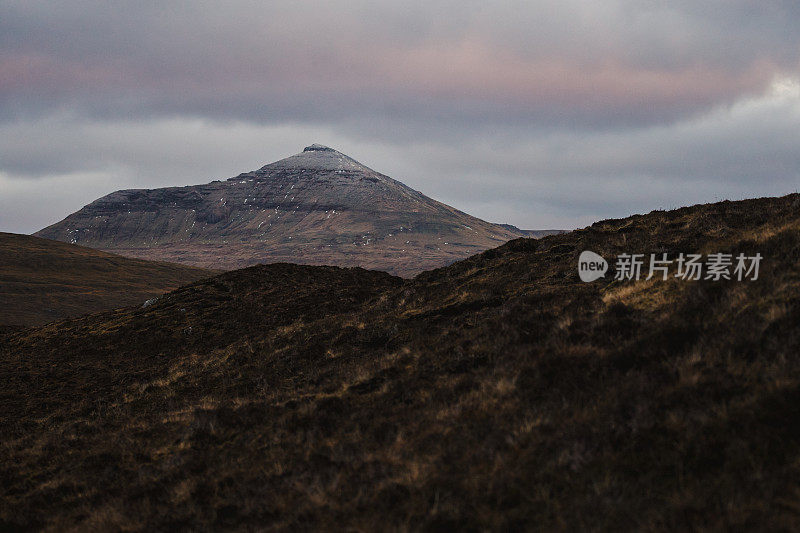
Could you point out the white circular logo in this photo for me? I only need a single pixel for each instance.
(591, 266)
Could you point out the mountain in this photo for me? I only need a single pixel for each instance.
(43, 280)
(498, 393)
(316, 207)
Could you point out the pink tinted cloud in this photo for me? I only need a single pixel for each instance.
(465, 69)
(473, 70)
(43, 73)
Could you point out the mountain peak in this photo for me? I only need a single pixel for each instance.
(317, 157)
(318, 148)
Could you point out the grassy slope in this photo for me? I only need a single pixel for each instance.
(43, 280)
(499, 392)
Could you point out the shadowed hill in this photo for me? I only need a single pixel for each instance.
(497, 393)
(43, 280)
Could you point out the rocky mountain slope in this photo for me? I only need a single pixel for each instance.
(42, 280)
(316, 207)
(498, 393)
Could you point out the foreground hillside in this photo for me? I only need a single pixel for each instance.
(497, 393)
(317, 207)
(43, 280)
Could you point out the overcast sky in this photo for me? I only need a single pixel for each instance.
(543, 114)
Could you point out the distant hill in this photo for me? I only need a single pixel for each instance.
(533, 233)
(499, 393)
(317, 207)
(43, 280)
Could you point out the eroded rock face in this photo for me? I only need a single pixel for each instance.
(316, 207)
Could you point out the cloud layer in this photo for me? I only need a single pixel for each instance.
(542, 114)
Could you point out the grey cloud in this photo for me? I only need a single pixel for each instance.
(573, 178)
(541, 114)
(568, 63)
(152, 152)
(535, 178)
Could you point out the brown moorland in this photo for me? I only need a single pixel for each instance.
(497, 393)
(43, 280)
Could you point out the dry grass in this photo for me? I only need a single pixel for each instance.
(499, 393)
